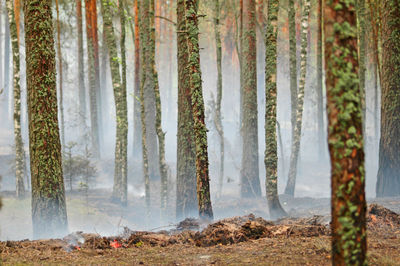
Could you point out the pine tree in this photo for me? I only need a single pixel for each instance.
(388, 183)
(292, 63)
(320, 89)
(93, 73)
(186, 200)
(120, 188)
(137, 128)
(271, 146)
(81, 72)
(19, 145)
(345, 135)
(49, 215)
(291, 183)
(250, 182)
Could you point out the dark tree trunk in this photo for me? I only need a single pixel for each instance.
(345, 135)
(250, 182)
(388, 184)
(49, 214)
(137, 128)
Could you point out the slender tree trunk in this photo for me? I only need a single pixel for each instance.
(1, 47)
(218, 115)
(137, 130)
(60, 77)
(19, 145)
(49, 214)
(7, 65)
(361, 53)
(186, 200)
(320, 88)
(291, 183)
(17, 9)
(388, 183)
(196, 91)
(93, 65)
(292, 63)
(345, 136)
(250, 182)
(120, 188)
(160, 134)
(81, 73)
(271, 145)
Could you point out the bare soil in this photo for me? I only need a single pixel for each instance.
(237, 241)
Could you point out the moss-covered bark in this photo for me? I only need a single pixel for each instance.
(186, 200)
(60, 77)
(120, 188)
(137, 128)
(250, 182)
(93, 73)
(81, 72)
(49, 215)
(388, 183)
(292, 63)
(19, 145)
(291, 183)
(271, 146)
(345, 134)
(197, 102)
(218, 115)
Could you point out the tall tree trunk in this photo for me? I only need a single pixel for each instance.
(137, 130)
(320, 99)
(271, 145)
(196, 91)
(60, 77)
(19, 145)
(93, 71)
(291, 183)
(218, 115)
(250, 182)
(345, 136)
(120, 188)
(292, 64)
(388, 183)
(361, 54)
(7, 88)
(1, 47)
(160, 134)
(17, 8)
(81, 73)
(49, 213)
(149, 100)
(186, 200)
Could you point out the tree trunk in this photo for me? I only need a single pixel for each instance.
(361, 53)
(388, 183)
(49, 214)
(19, 145)
(250, 182)
(197, 102)
(81, 73)
(271, 146)
(120, 188)
(60, 77)
(1, 48)
(137, 130)
(186, 200)
(93, 65)
(345, 136)
(218, 115)
(7, 88)
(291, 183)
(292, 63)
(320, 99)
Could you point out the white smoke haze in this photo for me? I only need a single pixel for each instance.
(92, 211)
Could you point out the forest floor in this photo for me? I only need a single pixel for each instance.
(249, 239)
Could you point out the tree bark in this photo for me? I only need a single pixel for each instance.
(292, 64)
(271, 146)
(361, 57)
(320, 99)
(49, 214)
(291, 182)
(120, 188)
(19, 145)
(93, 74)
(81, 72)
(218, 115)
(250, 182)
(186, 200)
(345, 136)
(137, 128)
(388, 183)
